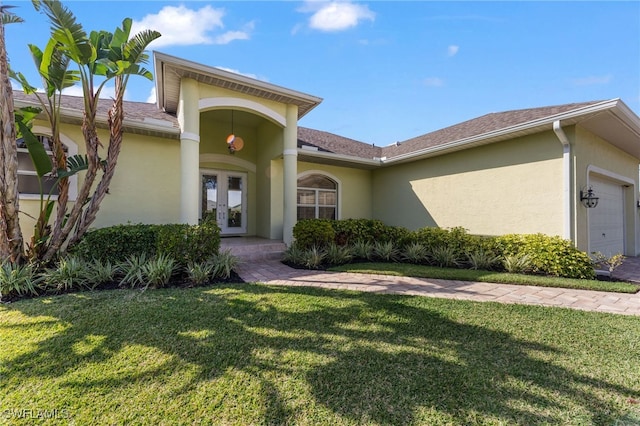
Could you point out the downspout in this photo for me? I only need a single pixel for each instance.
(566, 178)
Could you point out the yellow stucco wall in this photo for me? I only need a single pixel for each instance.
(354, 189)
(144, 189)
(592, 156)
(513, 186)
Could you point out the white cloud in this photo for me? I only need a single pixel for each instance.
(107, 92)
(336, 15)
(152, 96)
(592, 80)
(452, 50)
(433, 82)
(181, 26)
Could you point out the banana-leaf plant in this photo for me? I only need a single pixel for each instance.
(44, 170)
(100, 57)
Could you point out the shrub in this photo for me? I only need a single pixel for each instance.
(445, 256)
(414, 253)
(549, 255)
(313, 258)
(99, 272)
(185, 243)
(224, 263)
(157, 272)
(19, 280)
(385, 251)
(362, 250)
(348, 231)
(116, 243)
(338, 255)
(293, 254)
(517, 263)
(457, 239)
(188, 243)
(199, 273)
(310, 233)
(132, 270)
(482, 259)
(69, 273)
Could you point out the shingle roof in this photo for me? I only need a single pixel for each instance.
(135, 112)
(478, 126)
(149, 116)
(329, 142)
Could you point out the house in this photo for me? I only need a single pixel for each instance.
(526, 171)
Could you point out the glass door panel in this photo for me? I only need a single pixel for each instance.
(224, 198)
(235, 202)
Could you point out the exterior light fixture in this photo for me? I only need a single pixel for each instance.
(234, 143)
(588, 199)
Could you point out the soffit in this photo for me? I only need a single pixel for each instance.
(170, 70)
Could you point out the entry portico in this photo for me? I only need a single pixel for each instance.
(251, 191)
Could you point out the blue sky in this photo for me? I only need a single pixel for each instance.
(387, 71)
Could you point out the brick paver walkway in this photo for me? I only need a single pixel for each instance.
(273, 272)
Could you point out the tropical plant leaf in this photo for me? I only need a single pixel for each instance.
(67, 31)
(75, 164)
(39, 156)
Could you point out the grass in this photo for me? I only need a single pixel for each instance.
(249, 354)
(422, 271)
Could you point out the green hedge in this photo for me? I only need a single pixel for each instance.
(184, 243)
(548, 255)
(310, 233)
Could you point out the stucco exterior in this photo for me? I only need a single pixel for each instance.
(506, 187)
(520, 171)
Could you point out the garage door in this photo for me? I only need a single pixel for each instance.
(606, 221)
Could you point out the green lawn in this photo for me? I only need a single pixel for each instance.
(252, 354)
(422, 271)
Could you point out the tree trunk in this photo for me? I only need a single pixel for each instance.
(116, 117)
(11, 241)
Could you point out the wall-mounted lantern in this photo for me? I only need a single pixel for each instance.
(588, 199)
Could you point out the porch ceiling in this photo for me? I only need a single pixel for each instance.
(170, 70)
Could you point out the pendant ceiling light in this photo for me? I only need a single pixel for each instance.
(234, 143)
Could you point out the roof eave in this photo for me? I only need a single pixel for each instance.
(129, 126)
(161, 60)
(339, 158)
(533, 126)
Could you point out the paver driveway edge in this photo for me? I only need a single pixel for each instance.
(274, 272)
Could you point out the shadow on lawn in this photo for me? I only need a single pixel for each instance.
(383, 358)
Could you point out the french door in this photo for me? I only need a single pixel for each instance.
(224, 197)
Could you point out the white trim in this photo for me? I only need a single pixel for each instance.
(609, 174)
(243, 104)
(224, 229)
(228, 159)
(333, 178)
(190, 136)
(622, 180)
(293, 152)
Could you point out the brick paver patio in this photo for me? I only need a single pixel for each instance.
(273, 272)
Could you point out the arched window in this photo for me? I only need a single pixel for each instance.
(317, 197)
(28, 186)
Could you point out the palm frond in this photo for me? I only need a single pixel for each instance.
(67, 31)
(8, 17)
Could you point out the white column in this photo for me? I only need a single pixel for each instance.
(290, 173)
(189, 119)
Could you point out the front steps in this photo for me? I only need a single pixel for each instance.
(253, 249)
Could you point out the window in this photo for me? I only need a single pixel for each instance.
(317, 197)
(28, 186)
